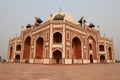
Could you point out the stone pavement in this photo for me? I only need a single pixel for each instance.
(22, 71)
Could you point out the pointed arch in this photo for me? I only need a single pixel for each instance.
(18, 47)
(11, 53)
(39, 48)
(101, 48)
(57, 37)
(27, 44)
(91, 47)
(76, 46)
(17, 58)
(57, 56)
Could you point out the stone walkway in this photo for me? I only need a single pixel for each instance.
(21, 71)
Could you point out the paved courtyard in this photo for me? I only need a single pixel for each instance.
(22, 71)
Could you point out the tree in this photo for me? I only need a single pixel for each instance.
(0, 58)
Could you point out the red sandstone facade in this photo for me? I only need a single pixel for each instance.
(60, 40)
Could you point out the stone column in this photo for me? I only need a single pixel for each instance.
(31, 59)
(63, 42)
(51, 41)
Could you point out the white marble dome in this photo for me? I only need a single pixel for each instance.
(66, 16)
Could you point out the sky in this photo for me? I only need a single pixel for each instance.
(17, 13)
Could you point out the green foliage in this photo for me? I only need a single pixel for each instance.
(0, 58)
(117, 61)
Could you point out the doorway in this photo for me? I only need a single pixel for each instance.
(91, 59)
(17, 58)
(102, 59)
(57, 57)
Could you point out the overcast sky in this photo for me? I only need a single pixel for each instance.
(17, 13)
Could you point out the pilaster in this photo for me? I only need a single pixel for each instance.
(51, 41)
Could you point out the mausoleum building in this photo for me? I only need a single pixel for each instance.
(61, 40)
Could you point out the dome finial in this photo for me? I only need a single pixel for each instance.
(60, 10)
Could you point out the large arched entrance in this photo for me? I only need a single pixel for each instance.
(11, 53)
(76, 47)
(92, 49)
(102, 59)
(57, 57)
(17, 58)
(27, 48)
(39, 48)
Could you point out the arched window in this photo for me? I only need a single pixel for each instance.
(57, 38)
(18, 48)
(90, 46)
(101, 48)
